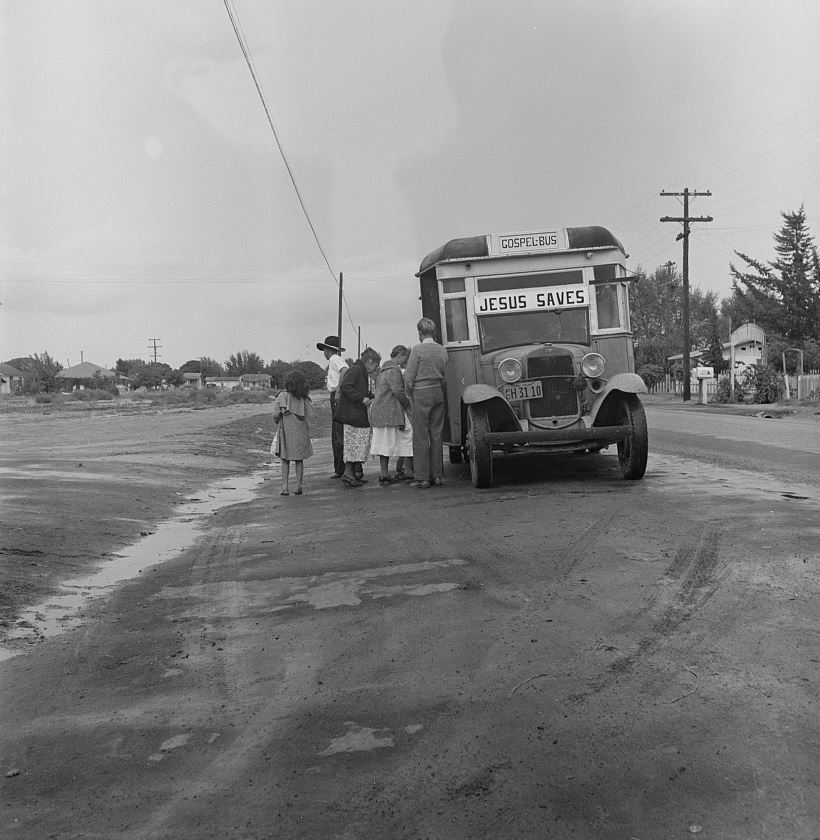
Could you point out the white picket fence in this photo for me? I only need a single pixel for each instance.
(800, 387)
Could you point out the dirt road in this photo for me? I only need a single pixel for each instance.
(564, 655)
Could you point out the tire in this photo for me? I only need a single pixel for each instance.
(633, 451)
(480, 452)
(456, 455)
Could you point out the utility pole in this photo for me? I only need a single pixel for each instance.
(339, 321)
(686, 219)
(153, 346)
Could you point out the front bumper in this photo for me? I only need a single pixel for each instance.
(600, 436)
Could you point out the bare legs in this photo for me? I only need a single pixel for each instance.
(299, 469)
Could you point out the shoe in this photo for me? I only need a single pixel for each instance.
(297, 492)
(399, 475)
(386, 479)
(351, 482)
(336, 475)
(284, 493)
(435, 482)
(361, 479)
(422, 485)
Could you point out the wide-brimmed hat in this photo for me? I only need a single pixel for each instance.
(331, 343)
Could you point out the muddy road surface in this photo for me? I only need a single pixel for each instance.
(564, 655)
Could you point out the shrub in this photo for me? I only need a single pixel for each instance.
(92, 394)
(723, 391)
(175, 398)
(763, 384)
(206, 396)
(651, 374)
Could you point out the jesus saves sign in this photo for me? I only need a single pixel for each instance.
(528, 300)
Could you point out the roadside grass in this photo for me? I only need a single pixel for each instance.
(92, 398)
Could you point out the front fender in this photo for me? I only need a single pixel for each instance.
(480, 393)
(625, 383)
(500, 415)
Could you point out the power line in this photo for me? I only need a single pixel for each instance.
(237, 28)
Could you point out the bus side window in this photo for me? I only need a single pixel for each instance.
(455, 319)
(606, 299)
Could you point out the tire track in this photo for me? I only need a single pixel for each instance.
(692, 580)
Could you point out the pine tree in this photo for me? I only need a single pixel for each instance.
(783, 296)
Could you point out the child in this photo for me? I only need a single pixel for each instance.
(292, 412)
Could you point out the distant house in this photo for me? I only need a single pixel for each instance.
(222, 382)
(246, 381)
(746, 345)
(11, 379)
(87, 370)
(193, 380)
(255, 380)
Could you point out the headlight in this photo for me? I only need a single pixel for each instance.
(593, 364)
(510, 370)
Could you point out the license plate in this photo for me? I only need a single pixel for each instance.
(528, 390)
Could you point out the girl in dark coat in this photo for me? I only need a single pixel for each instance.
(354, 398)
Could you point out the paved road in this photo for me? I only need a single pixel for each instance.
(563, 655)
(786, 446)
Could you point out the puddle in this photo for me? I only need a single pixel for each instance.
(359, 739)
(326, 591)
(681, 474)
(63, 612)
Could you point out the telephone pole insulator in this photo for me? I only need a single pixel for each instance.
(686, 220)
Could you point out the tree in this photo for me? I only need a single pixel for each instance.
(40, 373)
(206, 366)
(656, 302)
(126, 366)
(314, 374)
(278, 370)
(151, 375)
(717, 329)
(656, 311)
(782, 296)
(244, 362)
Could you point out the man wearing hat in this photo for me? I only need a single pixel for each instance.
(336, 366)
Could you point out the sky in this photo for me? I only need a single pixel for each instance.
(148, 207)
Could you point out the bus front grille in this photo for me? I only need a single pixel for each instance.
(556, 374)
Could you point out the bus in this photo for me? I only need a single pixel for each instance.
(536, 327)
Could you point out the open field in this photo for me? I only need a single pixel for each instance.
(80, 481)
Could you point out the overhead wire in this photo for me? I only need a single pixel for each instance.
(237, 28)
(727, 200)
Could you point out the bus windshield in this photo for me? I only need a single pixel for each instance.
(567, 326)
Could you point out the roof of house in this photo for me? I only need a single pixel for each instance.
(192, 376)
(86, 370)
(8, 370)
(255, 377)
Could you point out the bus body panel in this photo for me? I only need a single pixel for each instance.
(461, 371)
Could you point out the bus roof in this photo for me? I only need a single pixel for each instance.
(475, 247)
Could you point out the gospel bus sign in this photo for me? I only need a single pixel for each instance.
(526, 243)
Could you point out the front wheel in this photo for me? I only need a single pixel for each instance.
(481, 453)
(633, 450)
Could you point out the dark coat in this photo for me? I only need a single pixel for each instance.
(354, 387)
